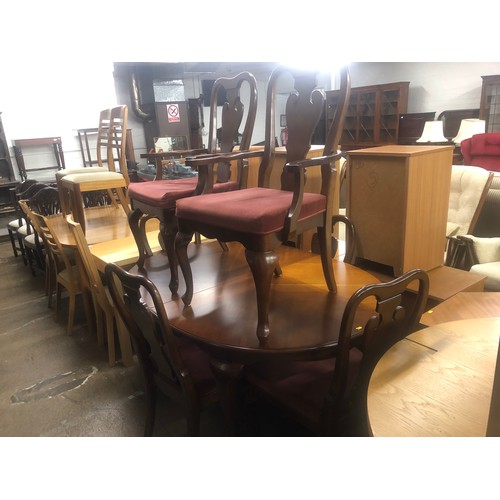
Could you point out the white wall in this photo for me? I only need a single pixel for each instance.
(50, 97)
(433, 86)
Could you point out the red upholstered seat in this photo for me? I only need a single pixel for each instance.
(165, 193)
(253, 210)
(482, 150)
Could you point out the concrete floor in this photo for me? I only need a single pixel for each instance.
(54, 384)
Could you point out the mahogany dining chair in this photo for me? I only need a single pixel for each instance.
(170, 363)
(158, 198)
(262, 218)
(329, 396)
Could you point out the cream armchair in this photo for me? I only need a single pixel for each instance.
(468, 191)
(483, 257)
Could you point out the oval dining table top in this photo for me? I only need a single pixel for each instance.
(436, 382)
(304, 315)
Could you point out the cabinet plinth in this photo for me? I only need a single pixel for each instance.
(397, 198)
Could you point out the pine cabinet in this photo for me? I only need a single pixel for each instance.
(397, 199)
(372, 117)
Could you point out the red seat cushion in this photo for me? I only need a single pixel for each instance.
(300, 386)
(252, 210)
(165, 193)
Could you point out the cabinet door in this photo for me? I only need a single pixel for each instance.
(367, 113)
(490, 103)
(389, 116)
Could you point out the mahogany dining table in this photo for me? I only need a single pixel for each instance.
(304, 315)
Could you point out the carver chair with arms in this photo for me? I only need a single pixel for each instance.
(329, 396)
(169, 363)
(261, 218)
(158, 198)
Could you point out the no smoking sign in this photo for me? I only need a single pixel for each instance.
(173, 113)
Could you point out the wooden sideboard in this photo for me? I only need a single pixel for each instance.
(397, 198)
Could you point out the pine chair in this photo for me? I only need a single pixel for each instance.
(67, 273)
(169, 363)
(329, 396)
(103, 305)
(111, 154)
(112, 134)
(262, 219)
(158, 198)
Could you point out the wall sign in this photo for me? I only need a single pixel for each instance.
(173, 113)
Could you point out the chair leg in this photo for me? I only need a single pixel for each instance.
(263, 266)
(31, 260)
(124, 341)
(325, 246)
(150, 393)
(71, 312)
(13, 242)
(110, 335)
(22, 249)
(138, 228)
(168, 231)
(182, 241)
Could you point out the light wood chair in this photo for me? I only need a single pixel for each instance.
(103, 306)
(67, 273)
(112, 134)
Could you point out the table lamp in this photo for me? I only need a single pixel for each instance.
(468, 128)
(433, 132)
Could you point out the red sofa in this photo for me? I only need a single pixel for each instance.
(482, 150)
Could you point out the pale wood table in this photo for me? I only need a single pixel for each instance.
(437, 382)
(464, 305)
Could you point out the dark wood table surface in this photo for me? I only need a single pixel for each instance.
(304, 319)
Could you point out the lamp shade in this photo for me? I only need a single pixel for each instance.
(433, 132)
(468, 128)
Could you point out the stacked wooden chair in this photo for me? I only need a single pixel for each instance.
(261, 218)
(158, 198)
(110, 175)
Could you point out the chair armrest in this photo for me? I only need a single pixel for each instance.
(297, 168)
(314, 162)
(482, 250)
(211, 158)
